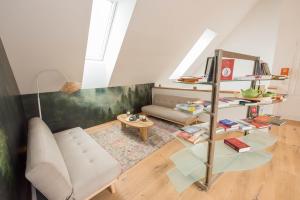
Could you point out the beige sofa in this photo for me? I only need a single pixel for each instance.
(68, 164)
(163, 106)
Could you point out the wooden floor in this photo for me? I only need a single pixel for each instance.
(279, 179)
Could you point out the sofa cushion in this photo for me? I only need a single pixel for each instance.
(45, 167)
(169, 114)
(170, 101)
(89, 165)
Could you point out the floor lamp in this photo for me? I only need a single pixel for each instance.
(68, 87)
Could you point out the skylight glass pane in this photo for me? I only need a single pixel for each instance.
(100, 25)
(194, 53)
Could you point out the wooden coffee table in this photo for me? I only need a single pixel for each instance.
(142, 125)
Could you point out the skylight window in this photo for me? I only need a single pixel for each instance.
(102, 16)
(204, 40)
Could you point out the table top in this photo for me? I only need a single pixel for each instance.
(138, 124)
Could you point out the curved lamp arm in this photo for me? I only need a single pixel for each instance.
(38, 88)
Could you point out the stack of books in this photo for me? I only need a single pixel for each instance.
(248, 103)
(228, 125)
(258, 124)
(193, 134)
(245, 126)
(192, 108)
(254, 77)
(270, 119)
(237, 144)
(279, 77)
(231, 100)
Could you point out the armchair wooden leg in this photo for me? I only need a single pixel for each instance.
(112, 188)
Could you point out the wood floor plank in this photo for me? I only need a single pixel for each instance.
(278, 179)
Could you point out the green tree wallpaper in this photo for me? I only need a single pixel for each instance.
(5, 168)
(87, 107)
(12, 134)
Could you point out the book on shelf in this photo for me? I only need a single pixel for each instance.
(228, 123)
(253, 77)
(191, 108)
(247, 103)
(242, 122)
(194, 137)
(257, 124)
(227, 69)
(191, 129)
(264, 69)
(227, 128)
(220, 129)
(277, 121)
(284, 71)
(245, 127)
(271, 119)
(231, 100)
(279, 77)
(237, 145)
(263, 119)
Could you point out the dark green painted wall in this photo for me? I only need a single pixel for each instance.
(87, 107)
(12, 133)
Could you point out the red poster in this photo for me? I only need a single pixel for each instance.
(227, 69)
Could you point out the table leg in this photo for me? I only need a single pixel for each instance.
(144, 134)
(123, 125)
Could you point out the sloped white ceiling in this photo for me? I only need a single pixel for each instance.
(38, 35)
(162, 32)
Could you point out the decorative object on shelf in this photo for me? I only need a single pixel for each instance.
(68, 87)
(284, 71)
(189, 79)
(227, 69)
(250, 93)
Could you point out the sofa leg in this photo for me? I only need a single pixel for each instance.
(112, 188)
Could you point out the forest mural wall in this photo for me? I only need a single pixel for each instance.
(87, 107)
(12, 133)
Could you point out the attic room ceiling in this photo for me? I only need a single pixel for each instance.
(162, 32)
(38, 35)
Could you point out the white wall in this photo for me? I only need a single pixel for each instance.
(160, 34)
(255, 35)
(288, 54)
(39, 35)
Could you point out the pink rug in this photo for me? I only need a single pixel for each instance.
(127, 147)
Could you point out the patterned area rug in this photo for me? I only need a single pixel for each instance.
(127, 147)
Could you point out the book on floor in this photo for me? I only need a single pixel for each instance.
(237, 144)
